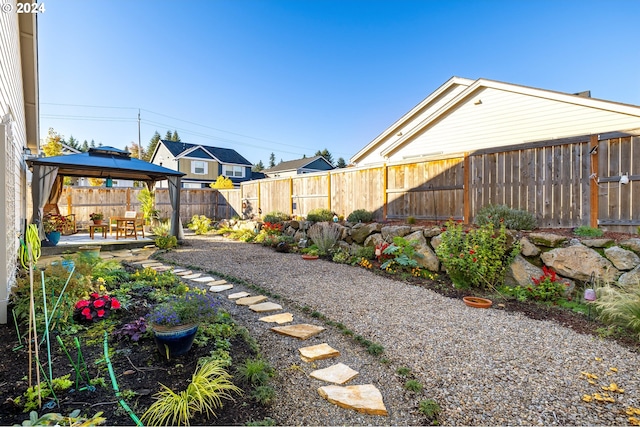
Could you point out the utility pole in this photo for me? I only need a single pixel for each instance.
(139, 144)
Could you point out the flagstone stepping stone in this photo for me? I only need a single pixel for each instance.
(203, 279)
(318, 352)
(135, 250)
(179, 270)
(265, 307)
(162, 268)
(338, 373)
(239, 295)
(192, 276)
(216, 282)
(220, 288)
(149, 246)
(302, 331)
(366, 398)
(251, 300)
(277, 318)
(184, 273)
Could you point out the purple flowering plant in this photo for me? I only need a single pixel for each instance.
(193, 307)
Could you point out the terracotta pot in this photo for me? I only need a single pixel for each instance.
(309, 257)
(477, 302)
(97, 222)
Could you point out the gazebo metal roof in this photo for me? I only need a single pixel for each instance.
(106, 162)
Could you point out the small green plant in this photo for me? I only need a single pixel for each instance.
(166, 242)
(360, 215)
(342, 256)
(513, 219)
(43, 391)
(375, 349)
(209, 384)
(325, 235)
(366, 252)
(200, 224)
(477, 257)
(411, 220)
(403, 371)
(57, 419)
(128, 394)
(586, 231)
(413, 385)
(429, 408)
(401, 255)
(320, 215)
(620, 306)
(162, 229)
(264, 394)
(275, 217)
(255, 372)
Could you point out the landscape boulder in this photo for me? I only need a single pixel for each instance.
(622, 259)
(579, 262)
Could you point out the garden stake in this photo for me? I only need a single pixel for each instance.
(48, 405)
(63, 289)
(32, 319)
(15, 321)
(46, 326)
(114, 383)
(81, 363)
(75, 367)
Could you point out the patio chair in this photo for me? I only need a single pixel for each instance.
(130, 225)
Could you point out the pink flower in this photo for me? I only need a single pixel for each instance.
(95, 295)
(86, 312)
(101, 313)
(82, 303)
(98, 303)
(115, 304)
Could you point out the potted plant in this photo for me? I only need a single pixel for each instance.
(175, 322)
(310, 253)
(97, 218)
(53, 226)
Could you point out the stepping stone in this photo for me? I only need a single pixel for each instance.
(366, 398)
(192, 276)
(135, 250)
(203, 279)
(239, 295)
(184, 273)
(162, 268)
(338, 373)
(265, 307)
(179, 270)
(302, 331)
(149, 246)
(220, 288)
(217, 282)
(277, 318)
(318, 352)
(251, 300)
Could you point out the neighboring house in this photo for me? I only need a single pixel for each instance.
(201, 163)
(298, 167)
(19, 130)
(466, 115)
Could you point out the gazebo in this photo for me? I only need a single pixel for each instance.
(101, 162)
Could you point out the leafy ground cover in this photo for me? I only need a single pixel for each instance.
(138, 365)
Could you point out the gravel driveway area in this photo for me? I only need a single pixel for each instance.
(483, 367)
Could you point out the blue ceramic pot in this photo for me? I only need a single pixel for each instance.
(53, 237)
(174, 340)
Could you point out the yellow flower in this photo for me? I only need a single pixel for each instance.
(586, 398)
(101, 288)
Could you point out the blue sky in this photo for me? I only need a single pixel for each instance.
(294, 77)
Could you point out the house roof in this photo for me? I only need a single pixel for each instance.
(223, 155)
(103, 162)
(456, 92)
(295, 164)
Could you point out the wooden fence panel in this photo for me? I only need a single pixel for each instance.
(353, 189)
(229, 203)
(310, 192)
(275, 195)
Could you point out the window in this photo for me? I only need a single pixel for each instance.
(198, 167)
(233, 171)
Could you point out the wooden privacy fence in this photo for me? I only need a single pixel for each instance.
(564, 183)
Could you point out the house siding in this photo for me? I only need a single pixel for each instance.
(212, 169)
(506, 118)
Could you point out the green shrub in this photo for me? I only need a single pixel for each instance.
(200, 224)
(403, 371)
(341, 256)
(320, 215)
(411, 220)
(620, 306)
(325, 235)
(264, 394)
(360, 215)
(400, 255)
(429, 408)
(161, 230)
(477, 257)
(166, 242)
(586, 231)
(366, 252)
(276, 216)
(255, 372)
(512, 219)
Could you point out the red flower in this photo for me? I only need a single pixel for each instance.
(471, 252)
(115, 304)
(98, 303)
(475, 259)
(86, 312)
(100, 313)
(94, 295)
(82, 303)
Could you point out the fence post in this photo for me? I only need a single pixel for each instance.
(69, 205)
(290, 197)
(329, 191)
(128, 198)
(466, 185)
(593, 182)
(384, 192)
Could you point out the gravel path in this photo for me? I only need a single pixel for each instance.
(483, 367)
